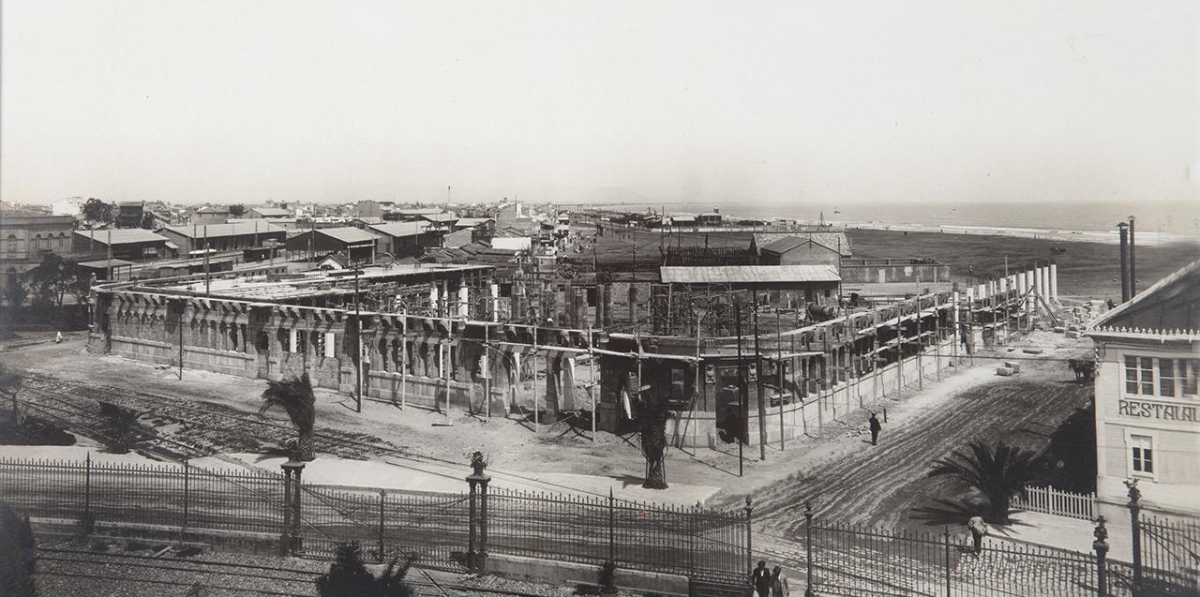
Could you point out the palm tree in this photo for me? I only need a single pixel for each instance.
(295, 397)
(997, 471)
(122, 426)
(652, 421)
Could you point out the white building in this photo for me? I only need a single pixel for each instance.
(67, 207)
(1147, 399)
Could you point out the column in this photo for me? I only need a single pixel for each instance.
(1054, 280)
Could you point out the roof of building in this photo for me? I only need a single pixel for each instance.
(1168, 308)
(472, 222)
(788, 243)
(348, 234)
(104, 263)
(510, 232)
(420, 211)
(733, 274)
(218, 230)
(122, 236)
(398, 229)
(213, 209)
(440, 217)
(834, 240)
(368, 219)
(272, 212)
(131, 204)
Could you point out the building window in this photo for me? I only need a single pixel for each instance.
(12, 243)
(285, 340)
(301, 342)
(1141, 454)
(1176, 377)
(329, 344)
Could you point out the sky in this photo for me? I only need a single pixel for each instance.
(776, 102)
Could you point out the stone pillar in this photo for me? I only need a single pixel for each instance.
(608, 305)
(464, 302)
(291, 541)
(1054, 280)
(434, 298)
(477, 551)
(494, 301)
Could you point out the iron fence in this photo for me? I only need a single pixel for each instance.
(1170, 556)
(855, 560)
(694, 542)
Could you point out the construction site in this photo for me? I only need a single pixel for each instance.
(760, 354)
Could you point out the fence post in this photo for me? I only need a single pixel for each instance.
(478, 480)
(382, 497)
(749, 538)
(291, 507)
(946, 543)
(183, 526)
(1101, 547)
(808, 548)
(1135, 519)
(612, 542)
(88, 523)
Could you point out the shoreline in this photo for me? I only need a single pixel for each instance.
(1078, 236)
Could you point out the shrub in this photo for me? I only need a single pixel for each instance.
(348, 577)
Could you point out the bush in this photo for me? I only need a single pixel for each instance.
(348, 577)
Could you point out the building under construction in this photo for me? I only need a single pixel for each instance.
(757, 359)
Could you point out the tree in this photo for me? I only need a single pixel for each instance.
(295, 396)
(998, 472)
(95, 212)
(348, 577)
(1073, 451)
(652, 421)
(237, 210)
(15, 292)
(52, 279)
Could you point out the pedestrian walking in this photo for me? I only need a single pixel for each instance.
(779, 583)
(978, 529)
(875, 429)
(761, 579)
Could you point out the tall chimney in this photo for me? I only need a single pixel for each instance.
(1132, 262)
(1124, 232)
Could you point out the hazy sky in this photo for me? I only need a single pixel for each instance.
(832, 101)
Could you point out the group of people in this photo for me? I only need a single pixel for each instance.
(769, 583)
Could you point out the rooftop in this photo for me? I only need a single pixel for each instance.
(272, 212)
(219, 230)
(746, 274)
(348, 234)
(399, 228)
(121, 236)
(834, 240)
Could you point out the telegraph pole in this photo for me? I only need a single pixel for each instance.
(743, 424)
(358, 344)
(762, 408)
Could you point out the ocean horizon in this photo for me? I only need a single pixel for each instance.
(1160, 219)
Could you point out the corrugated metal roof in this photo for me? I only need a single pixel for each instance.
(348, 234)
(472, 222)
(123, 236)
(440, 217)
(218, 230)
(734, 274)
(272, 212)
(834, 240)
(399, 228)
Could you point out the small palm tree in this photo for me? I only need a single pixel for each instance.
(348, 576)
(997, 471)
(295, 396)
(10, 381)
(123, 427)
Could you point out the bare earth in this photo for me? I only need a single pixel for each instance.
(847, 478)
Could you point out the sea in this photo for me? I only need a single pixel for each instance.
(1156, 221)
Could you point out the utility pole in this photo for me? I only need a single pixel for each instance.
(358, 343)
(762, 407)
(206, 278)
(743, 424)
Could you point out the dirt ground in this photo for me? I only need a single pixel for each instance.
(848, 479)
